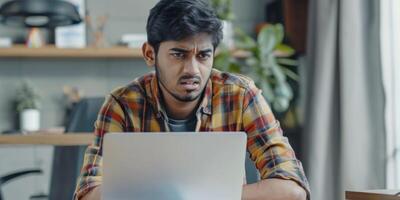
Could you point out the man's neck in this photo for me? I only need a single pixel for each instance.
(178, 109)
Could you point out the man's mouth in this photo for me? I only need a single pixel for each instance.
(190, 84)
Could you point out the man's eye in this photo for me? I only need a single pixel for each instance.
(178, 55)
(204, 55)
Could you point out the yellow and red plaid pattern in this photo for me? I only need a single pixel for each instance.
(230, 103)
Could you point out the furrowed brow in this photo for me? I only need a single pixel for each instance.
(179, 50)
(206, 51)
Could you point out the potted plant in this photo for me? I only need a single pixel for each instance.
(265, 60)
(223, 9)
(27, 102)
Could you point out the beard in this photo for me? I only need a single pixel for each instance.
(183, 98)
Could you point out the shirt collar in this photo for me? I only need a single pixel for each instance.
(153, 93)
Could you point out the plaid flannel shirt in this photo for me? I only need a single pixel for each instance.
(230, 103)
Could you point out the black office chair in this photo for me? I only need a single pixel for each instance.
(6, 178)
(68, 160)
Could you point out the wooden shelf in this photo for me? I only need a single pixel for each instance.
(20, 51)
(70, 139)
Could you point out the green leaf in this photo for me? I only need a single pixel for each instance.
(221, 61)
(267, 61)
(284, 50)
(243, 41)
(223, 9)
(281, 104)
(278, 73)
(267, 40)
(288, 62)
(268, 93)
(283, 90)
(235, 68)
(251, 61)
(289, 73)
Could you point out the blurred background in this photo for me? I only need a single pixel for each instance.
(329, 69)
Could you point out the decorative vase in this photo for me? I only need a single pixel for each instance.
(228, 34)
(29, 120)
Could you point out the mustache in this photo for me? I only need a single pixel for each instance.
(189, 77)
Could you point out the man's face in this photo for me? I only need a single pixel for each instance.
(183, 67)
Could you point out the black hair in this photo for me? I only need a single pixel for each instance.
(179, 19)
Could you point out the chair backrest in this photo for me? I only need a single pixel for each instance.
(9, 177)
(67, 161)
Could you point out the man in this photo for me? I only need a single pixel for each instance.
(186, 94)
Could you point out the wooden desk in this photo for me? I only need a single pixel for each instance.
(373, 195)
(70, 139)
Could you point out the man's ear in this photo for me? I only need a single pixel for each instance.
(149, 54)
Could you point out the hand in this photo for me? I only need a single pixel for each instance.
(94, 194)
(273, 189)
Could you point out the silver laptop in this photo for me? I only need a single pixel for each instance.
(173, 166)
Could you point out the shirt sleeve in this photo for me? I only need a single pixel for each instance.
(268, 148)
(110, 119)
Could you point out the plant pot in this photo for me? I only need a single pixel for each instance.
(228, 34)
(29, 120)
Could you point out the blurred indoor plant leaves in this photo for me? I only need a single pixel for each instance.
(265, 60)
(223, 9)
(27, 98)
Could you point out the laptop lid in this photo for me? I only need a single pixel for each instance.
(174, 166)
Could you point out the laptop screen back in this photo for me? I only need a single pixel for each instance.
(173, 166)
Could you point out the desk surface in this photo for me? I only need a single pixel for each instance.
(69, 139)
(373, 195)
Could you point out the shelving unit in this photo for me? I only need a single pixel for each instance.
(20, 51)
(70, 139)
(58, 139)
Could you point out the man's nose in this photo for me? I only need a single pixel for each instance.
(191, 66)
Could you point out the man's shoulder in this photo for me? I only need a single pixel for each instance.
(136, 89)
(221, 80)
